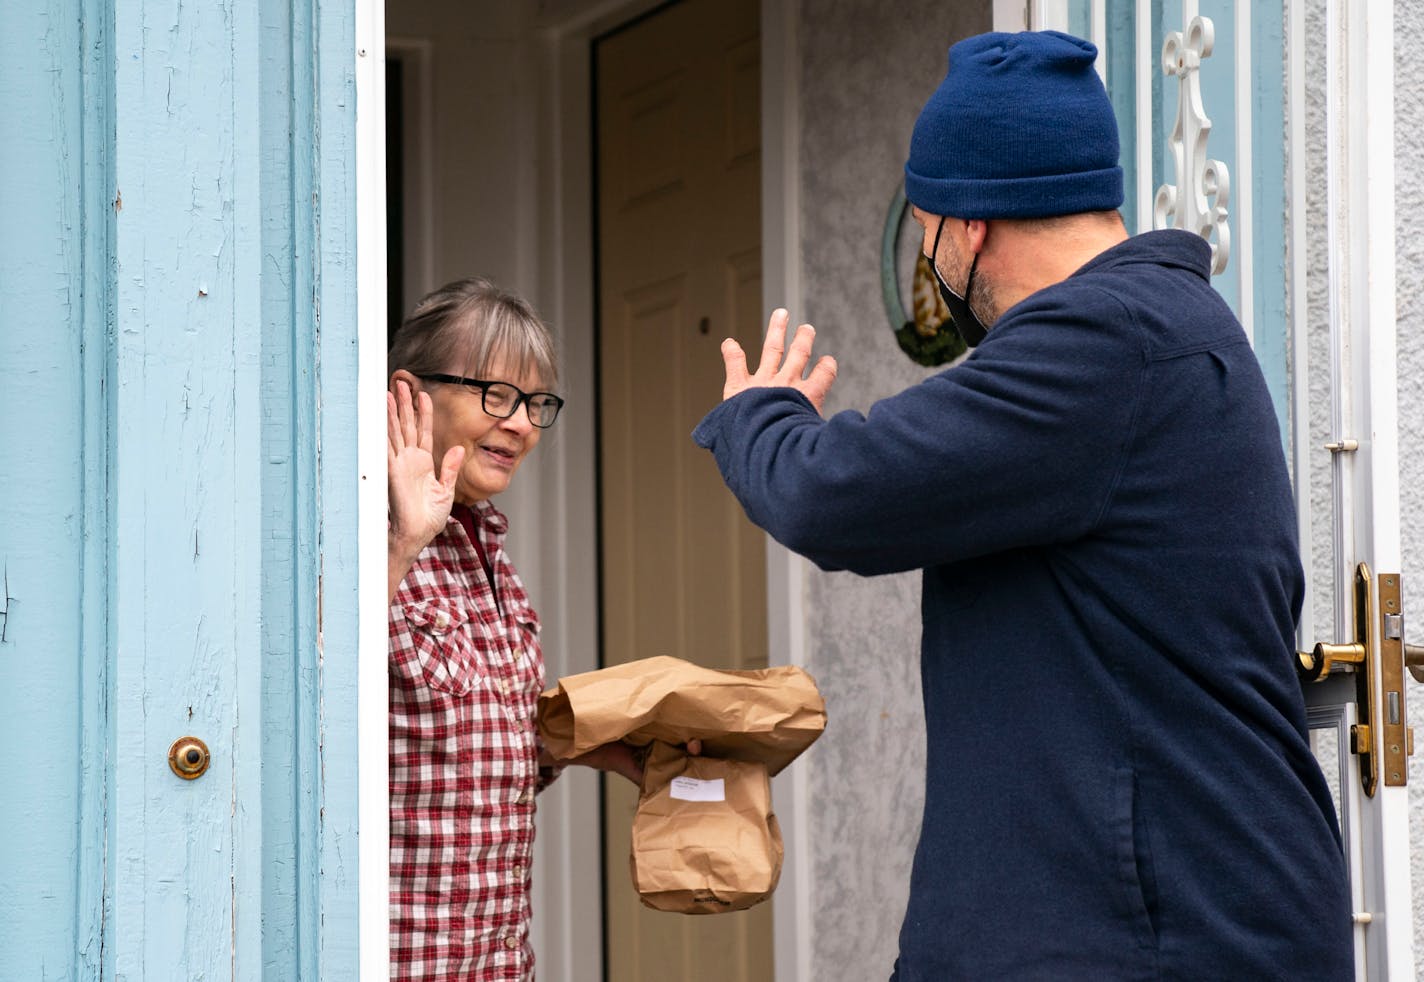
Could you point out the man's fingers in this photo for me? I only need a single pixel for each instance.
(771, 370)
(819, 382)
(774, 345)
(798, 356)
(735, 361)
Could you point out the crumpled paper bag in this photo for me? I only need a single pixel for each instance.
(705, 839)
(764, 714)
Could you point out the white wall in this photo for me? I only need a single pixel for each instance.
(483, 145)
(478, 151)
(865, 74)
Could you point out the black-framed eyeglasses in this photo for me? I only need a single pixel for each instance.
(501, 399)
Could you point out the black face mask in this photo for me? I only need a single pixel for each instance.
(965, 321)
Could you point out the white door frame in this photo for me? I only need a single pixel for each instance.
(372, 675)
(786, 572)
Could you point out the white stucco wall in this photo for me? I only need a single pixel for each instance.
(866, 70)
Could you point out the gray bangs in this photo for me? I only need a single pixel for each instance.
(515, 338)
(469, 326)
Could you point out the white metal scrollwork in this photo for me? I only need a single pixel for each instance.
(1199, 200)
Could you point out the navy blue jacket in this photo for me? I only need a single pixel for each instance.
(1118, 779)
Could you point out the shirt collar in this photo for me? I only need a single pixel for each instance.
(487, 518)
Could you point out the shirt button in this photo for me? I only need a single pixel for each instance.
(510, 941)
(523, 797)
(519, 872)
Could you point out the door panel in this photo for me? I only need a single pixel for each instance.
(159, 487)
(53, 521)
(184, 412)
(683, 571)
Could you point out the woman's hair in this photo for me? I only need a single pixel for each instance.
(467, 326)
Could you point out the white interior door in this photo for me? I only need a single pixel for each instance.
(1287, 167)
(683, 571)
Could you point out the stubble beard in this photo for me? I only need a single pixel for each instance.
(982, 299)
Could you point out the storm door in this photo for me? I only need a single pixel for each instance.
(1268, 128)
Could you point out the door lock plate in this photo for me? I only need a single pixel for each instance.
(1397, 739)
(1382, 738)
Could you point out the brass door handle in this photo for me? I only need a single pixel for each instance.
(1318, 664)
(1414, 661)
(1321, 661)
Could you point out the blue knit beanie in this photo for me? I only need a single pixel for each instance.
(1021, 127)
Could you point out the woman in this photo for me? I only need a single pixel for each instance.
(472, 369)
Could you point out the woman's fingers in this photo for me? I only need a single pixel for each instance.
(450, 467)
(406, 413)
(425, 421)
(393, 429)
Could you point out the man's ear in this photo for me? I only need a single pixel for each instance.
(977, 231)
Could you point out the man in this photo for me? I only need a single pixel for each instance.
(1118, 779)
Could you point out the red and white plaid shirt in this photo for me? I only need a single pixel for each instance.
(466, 672)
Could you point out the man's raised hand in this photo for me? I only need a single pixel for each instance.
(776, 370)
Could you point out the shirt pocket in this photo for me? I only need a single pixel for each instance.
(445, 646)
(529, 660)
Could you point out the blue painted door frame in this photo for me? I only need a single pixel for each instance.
(177, 489)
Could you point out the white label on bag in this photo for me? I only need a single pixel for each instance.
(693, 789)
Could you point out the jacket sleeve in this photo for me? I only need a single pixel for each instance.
(1020, 445)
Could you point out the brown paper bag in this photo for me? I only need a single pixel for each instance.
(705, 840)
(693, 851)
(767, 714)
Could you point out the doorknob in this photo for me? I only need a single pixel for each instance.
(1414, 661)
(1325, 657)
(1318, 664)
(1381, 738)
(188, 757)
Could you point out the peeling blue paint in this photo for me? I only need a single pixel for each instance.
(162, 539)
